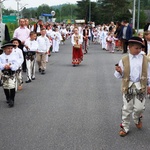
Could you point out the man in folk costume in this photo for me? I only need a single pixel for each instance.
(19, 55)
(77, 40)
(30, 48)
(134, 70)
(8, 65)
(86, 35)
(37, 27)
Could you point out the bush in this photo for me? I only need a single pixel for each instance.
(11, 28)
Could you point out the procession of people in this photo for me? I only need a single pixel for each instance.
(31, 46)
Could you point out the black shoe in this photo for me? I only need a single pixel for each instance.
(7, 101)
(33, 78)
(40, 70)
(43, 72)
(28, 81)
(11, 103)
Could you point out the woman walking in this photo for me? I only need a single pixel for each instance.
(77, 54)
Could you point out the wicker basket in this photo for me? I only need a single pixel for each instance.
(76, 46)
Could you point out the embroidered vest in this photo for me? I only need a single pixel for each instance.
(126, 76)
(87, 32)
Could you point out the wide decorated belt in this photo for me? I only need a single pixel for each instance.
(8, 72)
(30, 53)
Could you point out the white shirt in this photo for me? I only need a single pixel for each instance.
(103, 35)
(56, 36)
(19, 55)
(9, 59)
(135, 68)
(63, 31)
(43, 44)
(148, 48)
(49, 32)
(21, 33)
(32, 45)
(124, 32)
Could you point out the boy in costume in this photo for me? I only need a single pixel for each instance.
(134, 70)
(8, 65)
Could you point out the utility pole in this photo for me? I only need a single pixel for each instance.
(89, 10)
(138, 18)
(18, 8)
(71, 11)
(0, 11)
(60, 15)
(133, 13)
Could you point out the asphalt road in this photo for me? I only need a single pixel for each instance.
(71, 108)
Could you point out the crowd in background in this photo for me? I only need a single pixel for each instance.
(33, 44)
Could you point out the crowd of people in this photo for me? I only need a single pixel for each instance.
(31, 46)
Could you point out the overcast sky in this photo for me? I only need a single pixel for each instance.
(34, 3)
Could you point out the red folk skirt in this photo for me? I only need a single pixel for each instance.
(77, 55)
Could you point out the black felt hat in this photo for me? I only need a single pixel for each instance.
(137, 40)
(8, 44)
(1, 51)
(15, 39)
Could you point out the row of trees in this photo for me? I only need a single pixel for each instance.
(102, 11)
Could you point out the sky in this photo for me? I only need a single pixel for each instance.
(34, 3)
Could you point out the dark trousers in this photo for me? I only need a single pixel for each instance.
(124, 45)
(10, 94)
(24, 67)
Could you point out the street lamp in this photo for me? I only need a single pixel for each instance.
(60, 15)
(138, 17)
(21, 9)
(133, 13)
(53, 14)
(71, 11)
(18, 8)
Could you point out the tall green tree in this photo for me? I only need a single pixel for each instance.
(145, 4)
(7, 11)
(43, 9)
(65, 12)
(114, 10)
(87, 10)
